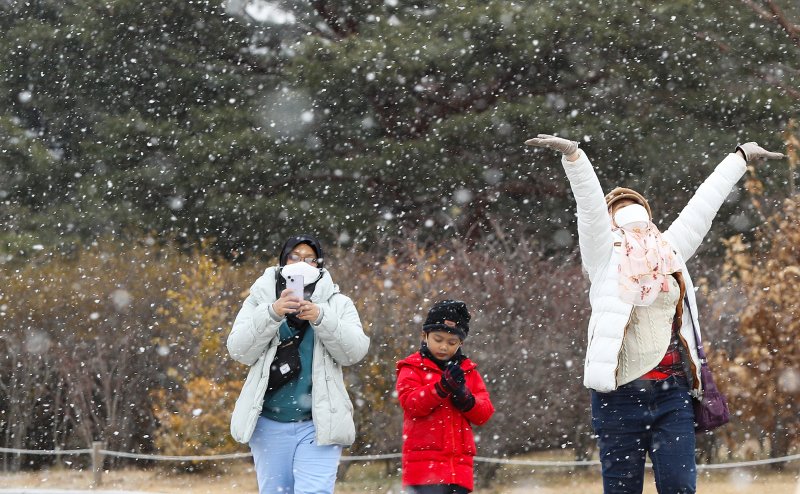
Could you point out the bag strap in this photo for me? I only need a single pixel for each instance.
(700, 353)
(301, 333)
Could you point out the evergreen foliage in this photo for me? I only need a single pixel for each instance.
(360, 120)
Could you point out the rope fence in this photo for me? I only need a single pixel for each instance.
(46, 451)
(98, 454)
(378, 457)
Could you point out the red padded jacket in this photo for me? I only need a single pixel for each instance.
(438, 444)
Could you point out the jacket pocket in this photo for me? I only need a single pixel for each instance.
(333, 411)
(248, 404)
(341, 389)
(426, 434)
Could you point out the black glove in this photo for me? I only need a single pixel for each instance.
(452, 379)
(463, 399)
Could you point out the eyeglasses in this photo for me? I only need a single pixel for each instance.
(310, 260)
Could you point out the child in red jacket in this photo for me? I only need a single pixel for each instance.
(442, 394)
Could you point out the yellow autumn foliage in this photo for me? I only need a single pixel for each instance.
(765, 372)
(199, 423)
(194, 413)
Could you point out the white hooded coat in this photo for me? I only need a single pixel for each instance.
(599, 247)
(339, 340)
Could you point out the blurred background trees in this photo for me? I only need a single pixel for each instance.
(138, 360)
(766, 273)
(147, 369)
(154, 155)
(357, 119)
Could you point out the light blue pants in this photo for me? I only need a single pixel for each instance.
(289, 461)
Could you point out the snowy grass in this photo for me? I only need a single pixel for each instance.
(238, 477)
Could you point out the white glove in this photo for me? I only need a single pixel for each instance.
(751, 151)
(564, 146)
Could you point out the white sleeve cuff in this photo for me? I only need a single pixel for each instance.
(273, 315)
(319, 319)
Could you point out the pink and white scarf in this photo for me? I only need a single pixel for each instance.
(646, 262)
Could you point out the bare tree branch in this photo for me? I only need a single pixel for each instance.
(780, 18)
(723, 47)
(774, 14)
(762, 12)
(794, 93)
(727, 49)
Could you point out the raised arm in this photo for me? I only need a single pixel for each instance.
(594, 225)
(686, 233)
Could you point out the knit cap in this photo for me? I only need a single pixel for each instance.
(451, 316)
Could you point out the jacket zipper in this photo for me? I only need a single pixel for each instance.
(619, 353)
(453, 457)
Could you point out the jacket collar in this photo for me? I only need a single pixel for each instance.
(427, 354)
(418, 361)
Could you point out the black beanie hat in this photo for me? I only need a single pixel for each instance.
(302, 239)
(451, 316)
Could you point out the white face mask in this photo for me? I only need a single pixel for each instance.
(309, 273)
(632, 216)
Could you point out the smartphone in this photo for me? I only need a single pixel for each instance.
(295, 284)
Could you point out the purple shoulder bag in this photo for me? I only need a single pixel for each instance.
(711, 409)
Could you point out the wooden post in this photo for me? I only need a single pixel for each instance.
(97, 463)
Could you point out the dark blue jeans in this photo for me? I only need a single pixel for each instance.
(642, 417)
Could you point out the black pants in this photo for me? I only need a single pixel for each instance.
(436, 489)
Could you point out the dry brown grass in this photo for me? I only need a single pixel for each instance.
(725, 482)
(239, 478)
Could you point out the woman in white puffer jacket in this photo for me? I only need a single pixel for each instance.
(641, 362)
(296, 430)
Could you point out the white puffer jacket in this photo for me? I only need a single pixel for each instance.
(599, 247)
(339, 340)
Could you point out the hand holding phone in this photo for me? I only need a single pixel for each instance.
(295, 284)
(294, 289)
